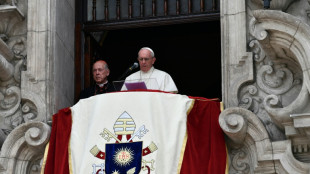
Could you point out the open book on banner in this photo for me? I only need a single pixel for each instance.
(137, 132)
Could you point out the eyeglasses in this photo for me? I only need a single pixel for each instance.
(145, 59)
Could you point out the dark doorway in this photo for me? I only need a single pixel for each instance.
(190, 53)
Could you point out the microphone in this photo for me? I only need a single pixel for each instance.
(134, 66)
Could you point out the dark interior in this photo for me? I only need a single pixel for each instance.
(190, 53)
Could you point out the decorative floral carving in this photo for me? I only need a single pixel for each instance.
(236, 121)
(19, 47)
(16, 119)
(257, 30)
(278, 83)
(272, 101)
(233, 124)
(13, 110)
(249, 99)
(259, 54)
(240, 161)
(29, 111)
(23, 135)
(9, 101)
(37, 135)
(275, 79)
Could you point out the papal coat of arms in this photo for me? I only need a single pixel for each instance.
(124, 156)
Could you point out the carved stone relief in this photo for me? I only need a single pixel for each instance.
(286, 41)
(278, 83)
(12, 62)
(274, 91)
(23, 135)
(23, 150)
(250, 149)
(239, 161)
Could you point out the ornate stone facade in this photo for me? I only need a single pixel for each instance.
(266, 85)
(23, 133)
(30, 50)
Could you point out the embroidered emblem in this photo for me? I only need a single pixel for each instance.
(124, 156)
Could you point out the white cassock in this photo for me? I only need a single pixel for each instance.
(154, 79)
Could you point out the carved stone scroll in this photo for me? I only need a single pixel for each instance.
(23, 147)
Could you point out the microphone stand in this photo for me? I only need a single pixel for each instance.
(124, 74)
(134, 66)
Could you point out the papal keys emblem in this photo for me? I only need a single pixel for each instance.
(124, 156)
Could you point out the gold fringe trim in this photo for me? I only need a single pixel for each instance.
(69, 148)
(227, 157)
(70, 159)
(191, 107)
(44, 158)
(184, 140)
(227, 161)
(222, 106)
(182, 153)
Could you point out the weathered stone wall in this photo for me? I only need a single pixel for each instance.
(265, 57)
(63, 34)
(36, 77)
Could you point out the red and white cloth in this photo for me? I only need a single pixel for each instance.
(181, 134)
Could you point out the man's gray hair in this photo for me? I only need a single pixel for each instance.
(147, 48)
(106, 66)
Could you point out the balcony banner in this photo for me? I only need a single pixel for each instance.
(137, 132)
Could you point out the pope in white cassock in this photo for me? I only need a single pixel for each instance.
(153, 78)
